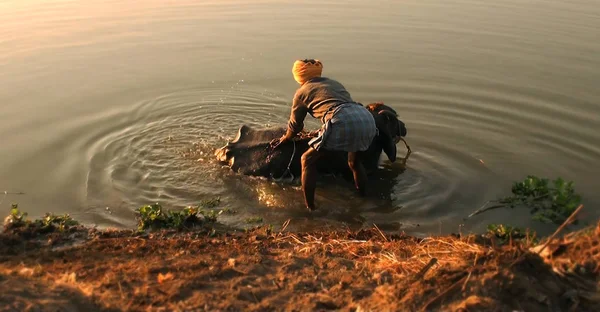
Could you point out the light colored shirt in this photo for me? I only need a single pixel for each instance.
(316, 97)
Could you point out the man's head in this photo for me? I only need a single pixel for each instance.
(306, 69)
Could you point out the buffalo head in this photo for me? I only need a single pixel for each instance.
(391, 129)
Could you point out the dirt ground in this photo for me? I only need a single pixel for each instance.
(275, 270)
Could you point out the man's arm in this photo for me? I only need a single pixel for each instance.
(296, 122)
(297, 116)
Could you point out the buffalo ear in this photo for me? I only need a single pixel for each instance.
(389, 148)
(403, 130)
(242, 132)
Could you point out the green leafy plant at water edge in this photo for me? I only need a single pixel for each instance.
(211, 203)
(210, 215)
(18, 219)
(548, 201)
(505, 232)
(60, 222)
(155, 217)
(228, 211)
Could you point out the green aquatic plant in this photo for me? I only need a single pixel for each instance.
(61, 223)
(211, 203)
(228, 211)
(270, 229)
(209, 215)
(17, 219)
(505, 233)
(155, 217)
(547, 201)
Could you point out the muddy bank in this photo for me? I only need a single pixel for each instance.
(274, 270)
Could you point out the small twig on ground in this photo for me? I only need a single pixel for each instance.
(441, 295)
(120, 290)
(381, 233)
(464, 286)
(295, 238)
(253, 295)
(426, 268)
(285, 225)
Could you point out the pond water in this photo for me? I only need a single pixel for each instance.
(103, 100)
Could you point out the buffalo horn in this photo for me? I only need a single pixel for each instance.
(390, 114)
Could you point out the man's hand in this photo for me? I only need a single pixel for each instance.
(286, 137)
(277, 142)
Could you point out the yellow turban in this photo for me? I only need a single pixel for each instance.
(305, 70)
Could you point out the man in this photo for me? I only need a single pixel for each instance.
(347, 125)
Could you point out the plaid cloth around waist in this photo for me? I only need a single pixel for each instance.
(348, 127)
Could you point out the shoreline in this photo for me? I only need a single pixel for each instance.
(214, 268)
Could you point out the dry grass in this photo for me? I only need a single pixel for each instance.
(342, 269)
(403, 258)
(412, 257)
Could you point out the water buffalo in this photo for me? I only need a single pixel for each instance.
(250, 153)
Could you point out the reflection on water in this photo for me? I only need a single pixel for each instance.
(118, 104)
